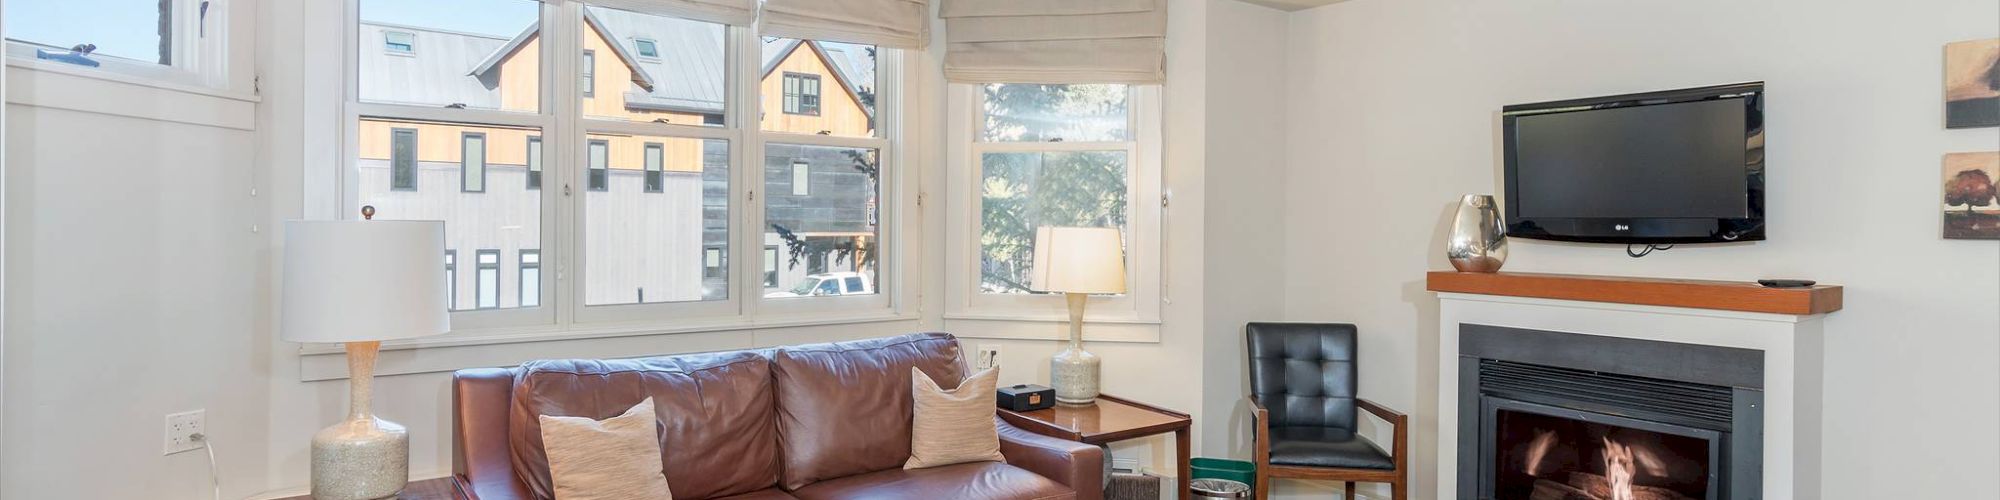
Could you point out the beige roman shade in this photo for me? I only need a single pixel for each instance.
(902, 24)
(731, 12)
(1055, 41)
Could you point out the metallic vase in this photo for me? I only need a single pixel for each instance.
(1478, 239)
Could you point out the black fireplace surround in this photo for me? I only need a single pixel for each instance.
(1562, 416)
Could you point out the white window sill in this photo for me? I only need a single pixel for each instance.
(65, 86)
(507, 347)
(1043, 327)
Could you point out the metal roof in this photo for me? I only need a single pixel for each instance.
(688, 75)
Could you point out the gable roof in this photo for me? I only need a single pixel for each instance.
(785, 48)
(688, 75)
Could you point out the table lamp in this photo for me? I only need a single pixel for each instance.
(360, 283)
(1077, 261)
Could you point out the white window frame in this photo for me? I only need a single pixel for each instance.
(201, 55)
(564, 130)
(972, 309)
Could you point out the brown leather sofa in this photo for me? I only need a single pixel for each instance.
(810, 422)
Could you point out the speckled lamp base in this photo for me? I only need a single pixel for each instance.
(1074, 371)
(362, 457)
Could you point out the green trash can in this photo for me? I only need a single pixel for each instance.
(1222, 468)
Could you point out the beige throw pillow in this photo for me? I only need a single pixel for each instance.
(617, 458)
(955, 426)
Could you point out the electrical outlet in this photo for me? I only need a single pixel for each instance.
(989, 357)
(181, 428)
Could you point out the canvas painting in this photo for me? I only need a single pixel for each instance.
(1971, 211)
(1972, 84)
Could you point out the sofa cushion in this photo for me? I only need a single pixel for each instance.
(764, 494)
(844, 408)
(715, 416)
(612, 459)
(967, 481)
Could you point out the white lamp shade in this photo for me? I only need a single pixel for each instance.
(1079, 260)
(356, 281)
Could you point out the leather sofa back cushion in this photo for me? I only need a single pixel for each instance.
(844, 408)
(715, 416)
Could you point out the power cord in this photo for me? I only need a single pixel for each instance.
(1650, 248)
(214, 479)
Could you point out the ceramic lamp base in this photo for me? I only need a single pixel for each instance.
(1074, 373)
(360, 459)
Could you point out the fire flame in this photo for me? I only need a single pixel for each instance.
(1539, 448)
(1618, 468)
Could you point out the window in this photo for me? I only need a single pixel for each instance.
(534, 160)
(404, 109)
(530, 284)
(801, 94)
(770, 267)
(655, 177)
(712, 263)
(472, 162)
(157, 40)
(801, 178)
(589, 65)
(645, 243)
(487, 280)
(403, 159)
(451, 279)
(399, 42)
(1051, 155)
(600, 165)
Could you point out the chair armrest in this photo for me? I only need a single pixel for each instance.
(1260, 446)
(1076, 465)
(1398, 421)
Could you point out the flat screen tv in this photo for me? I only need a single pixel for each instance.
(1679, 166)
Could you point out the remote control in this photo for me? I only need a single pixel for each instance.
(1786, 283)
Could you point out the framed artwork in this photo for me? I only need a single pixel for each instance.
(1972, 84)
(1971, 212)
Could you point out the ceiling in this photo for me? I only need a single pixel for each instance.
(1292, 4)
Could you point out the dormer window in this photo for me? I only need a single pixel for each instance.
(646, 47)
(398, 42)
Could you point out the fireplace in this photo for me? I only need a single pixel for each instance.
(1563, 416)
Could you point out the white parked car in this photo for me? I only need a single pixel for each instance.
(846, 283)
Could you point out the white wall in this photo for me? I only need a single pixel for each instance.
(127, 243)
(1243, 254)
(1394, 115)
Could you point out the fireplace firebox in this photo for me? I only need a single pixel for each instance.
(1564, 416)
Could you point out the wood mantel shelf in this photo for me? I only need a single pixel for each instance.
(1698, 294)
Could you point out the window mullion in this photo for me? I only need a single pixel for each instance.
(747, 222)
(562, 105)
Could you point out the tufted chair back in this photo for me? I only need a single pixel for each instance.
(1304, 373)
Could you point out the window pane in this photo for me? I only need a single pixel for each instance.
(489, 279)
(642, 247)
(472, 163)
(826, 234)
(682, 82)
(600, 161)
(531, 278)
(655, 156)
(1070, 113)
(1024, 191)
(136, 30)
(506, 217)
(792, 100)
(486, 61)
(403, 159)
(534, 162)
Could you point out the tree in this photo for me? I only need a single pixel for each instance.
(1971, 188)
(1024, 191)
(851, 250)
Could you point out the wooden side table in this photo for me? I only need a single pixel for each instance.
(429, 489)
(1111, 419)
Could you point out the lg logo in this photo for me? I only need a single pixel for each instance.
(1621, 227)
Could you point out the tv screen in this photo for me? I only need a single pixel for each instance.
(1670, 167)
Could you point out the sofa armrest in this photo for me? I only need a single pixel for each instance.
(482, 460)
(1076, 465)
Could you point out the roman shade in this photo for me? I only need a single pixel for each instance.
(902, 24)
(1055, 41)
(731, 12)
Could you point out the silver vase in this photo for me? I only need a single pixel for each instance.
(1478, 238)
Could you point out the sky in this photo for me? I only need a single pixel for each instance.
(123, 28)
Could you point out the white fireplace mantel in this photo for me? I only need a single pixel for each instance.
(1790, 343)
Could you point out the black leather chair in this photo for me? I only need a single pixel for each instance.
(1302, 392)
